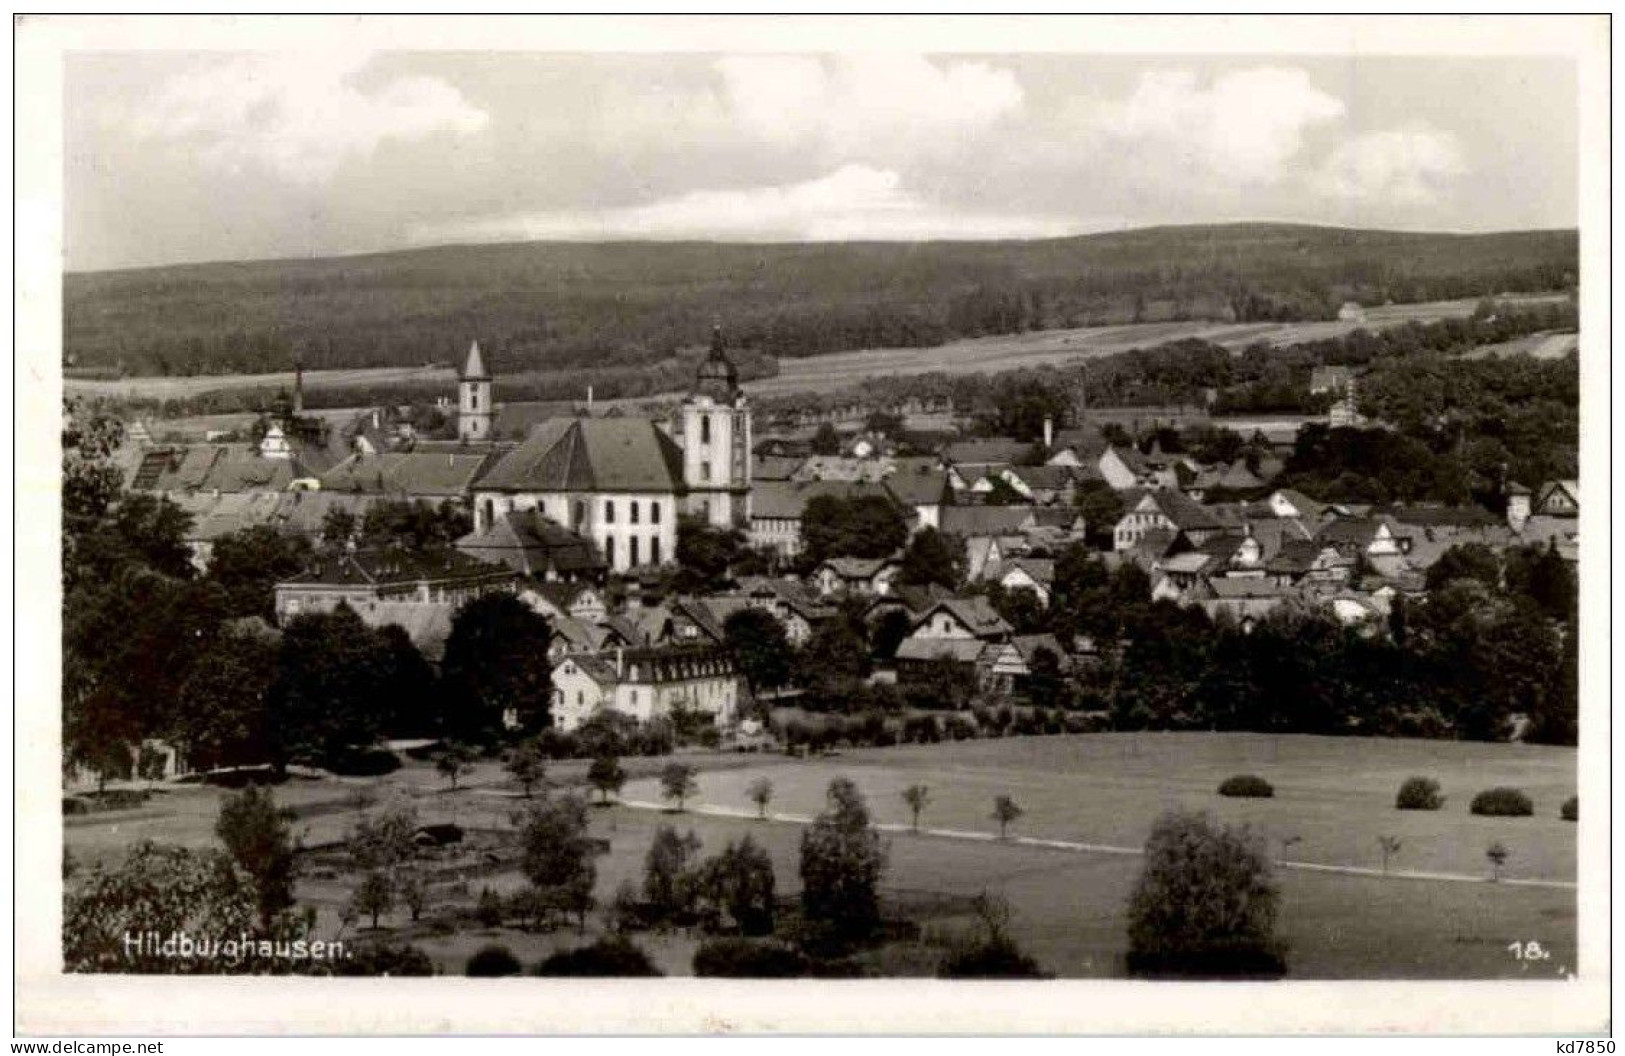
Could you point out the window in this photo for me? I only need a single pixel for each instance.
(609, 512)
(654, 551)
(609, 550)
(634, 511)
(654, 513)
(705, 429)
(581, 514)
(632, 549)
(705, 472)
(473, 399)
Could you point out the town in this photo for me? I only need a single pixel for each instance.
(471, 596)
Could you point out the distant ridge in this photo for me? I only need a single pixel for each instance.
(627, 305)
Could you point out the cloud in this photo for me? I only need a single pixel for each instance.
(1410, 166)
(862, 105)
(853, 202)
(1246, 127)
(301, 115)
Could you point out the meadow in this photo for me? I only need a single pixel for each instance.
(1333, 799)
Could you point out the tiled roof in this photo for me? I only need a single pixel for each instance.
(787, 501)
(590, 454)
(990, 452)
(774, 467)
(858, 567)
(964, 650)
(912, 486)
(1045, 477)
(396, 568)
(971, 521)
(418, 473)
(657, 665)
(1458, 516)
(213, 467)
(532, 544)
(514, 421)
(975, 612)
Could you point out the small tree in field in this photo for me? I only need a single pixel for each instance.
(842, 860)
(761, 794)
(259, 837)
(1498, 855)
(528, 765)
(375, 896)
(455, 761)
(1005, 811)
(917, 797)
(606, 776)
(1390, 846)
(677, 782)
(414, 893)
(1205, 904)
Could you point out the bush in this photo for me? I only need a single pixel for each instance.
(386, 958)
(609, 956)
(747, 959)
(1419, 793)
(1205, 904)
(1571, 809)
(492, 961)
(960, 728)
(363, 762)
(1247, 786)
(489, 910)
(1503, 803)
(997, 958)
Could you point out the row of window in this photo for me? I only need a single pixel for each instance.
(632, 552)
(633, 512)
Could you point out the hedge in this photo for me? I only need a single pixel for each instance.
(1247, 786)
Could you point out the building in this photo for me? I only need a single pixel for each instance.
(428, 471)
(534, 546)
(646, 684)
(856, 575)
(474, 410)
(1167, 510)
(363, 579)
(777, 507)
(713, 429)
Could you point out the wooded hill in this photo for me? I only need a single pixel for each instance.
(540, 306)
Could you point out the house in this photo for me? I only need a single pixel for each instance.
(921, 487)
(1044, 485)
(856, 575)
(990, 533)
(961, 617)
(1165, 509)
(985, 454)
(777, 508)
(646, 684)
(363, 579)
(221, 469)
(1077, 448)
(433, 472)
(1330, 379)
(1308, 562)
(775, 467)
(1243, 600)
(1286, 502)
(574, 600)
(1036, 574)
(1008, 667)
(839, 467)
(533, 545)
(791, 602)
(1425, 532)
(1371, 539)
(1554, 518)
(1124, 468)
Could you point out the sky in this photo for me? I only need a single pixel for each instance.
(175, 157)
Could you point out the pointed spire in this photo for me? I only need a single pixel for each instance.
(474, 369)
(717, 349)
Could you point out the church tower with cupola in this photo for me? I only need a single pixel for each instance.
(714, 433)
(474, 408)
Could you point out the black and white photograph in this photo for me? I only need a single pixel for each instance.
(812, 505)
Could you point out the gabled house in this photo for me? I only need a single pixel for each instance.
(647, 684)
(536, 546)
(1077, 448)
(856, 575)
(922, 488)
(1036, 574)
(1165, 509)
(1043, 485)
(1285, 502)
(576, 601)
(792, 603)
(990, 533)
(1242, 600)
(962, 617)
(1124, 467)
(1306, 561)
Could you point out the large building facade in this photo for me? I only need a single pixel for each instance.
(622, 482)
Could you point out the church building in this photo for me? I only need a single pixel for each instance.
(621, 482)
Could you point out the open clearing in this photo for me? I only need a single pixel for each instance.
(1333, 798)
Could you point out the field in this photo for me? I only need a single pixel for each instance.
(1334, 797)
(1544, 345)
(177, 388)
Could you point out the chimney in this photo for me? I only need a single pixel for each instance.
(619, 661)
(1049, 432)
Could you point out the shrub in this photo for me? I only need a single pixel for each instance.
(489, 910)
(1571, 809)
(363, 762)
(1247, 786)
(998, 958)
(1419, 793)
(609, 956)
(1503, 803)
(960, 728)
(492, 961)
(386, 958)
(1205, 904)
(747, 959)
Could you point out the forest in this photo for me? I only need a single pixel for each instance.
(626, 306)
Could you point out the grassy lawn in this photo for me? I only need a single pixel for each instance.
(1334, 795)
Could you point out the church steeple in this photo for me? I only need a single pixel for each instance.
(717, 377)
(474, 398)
